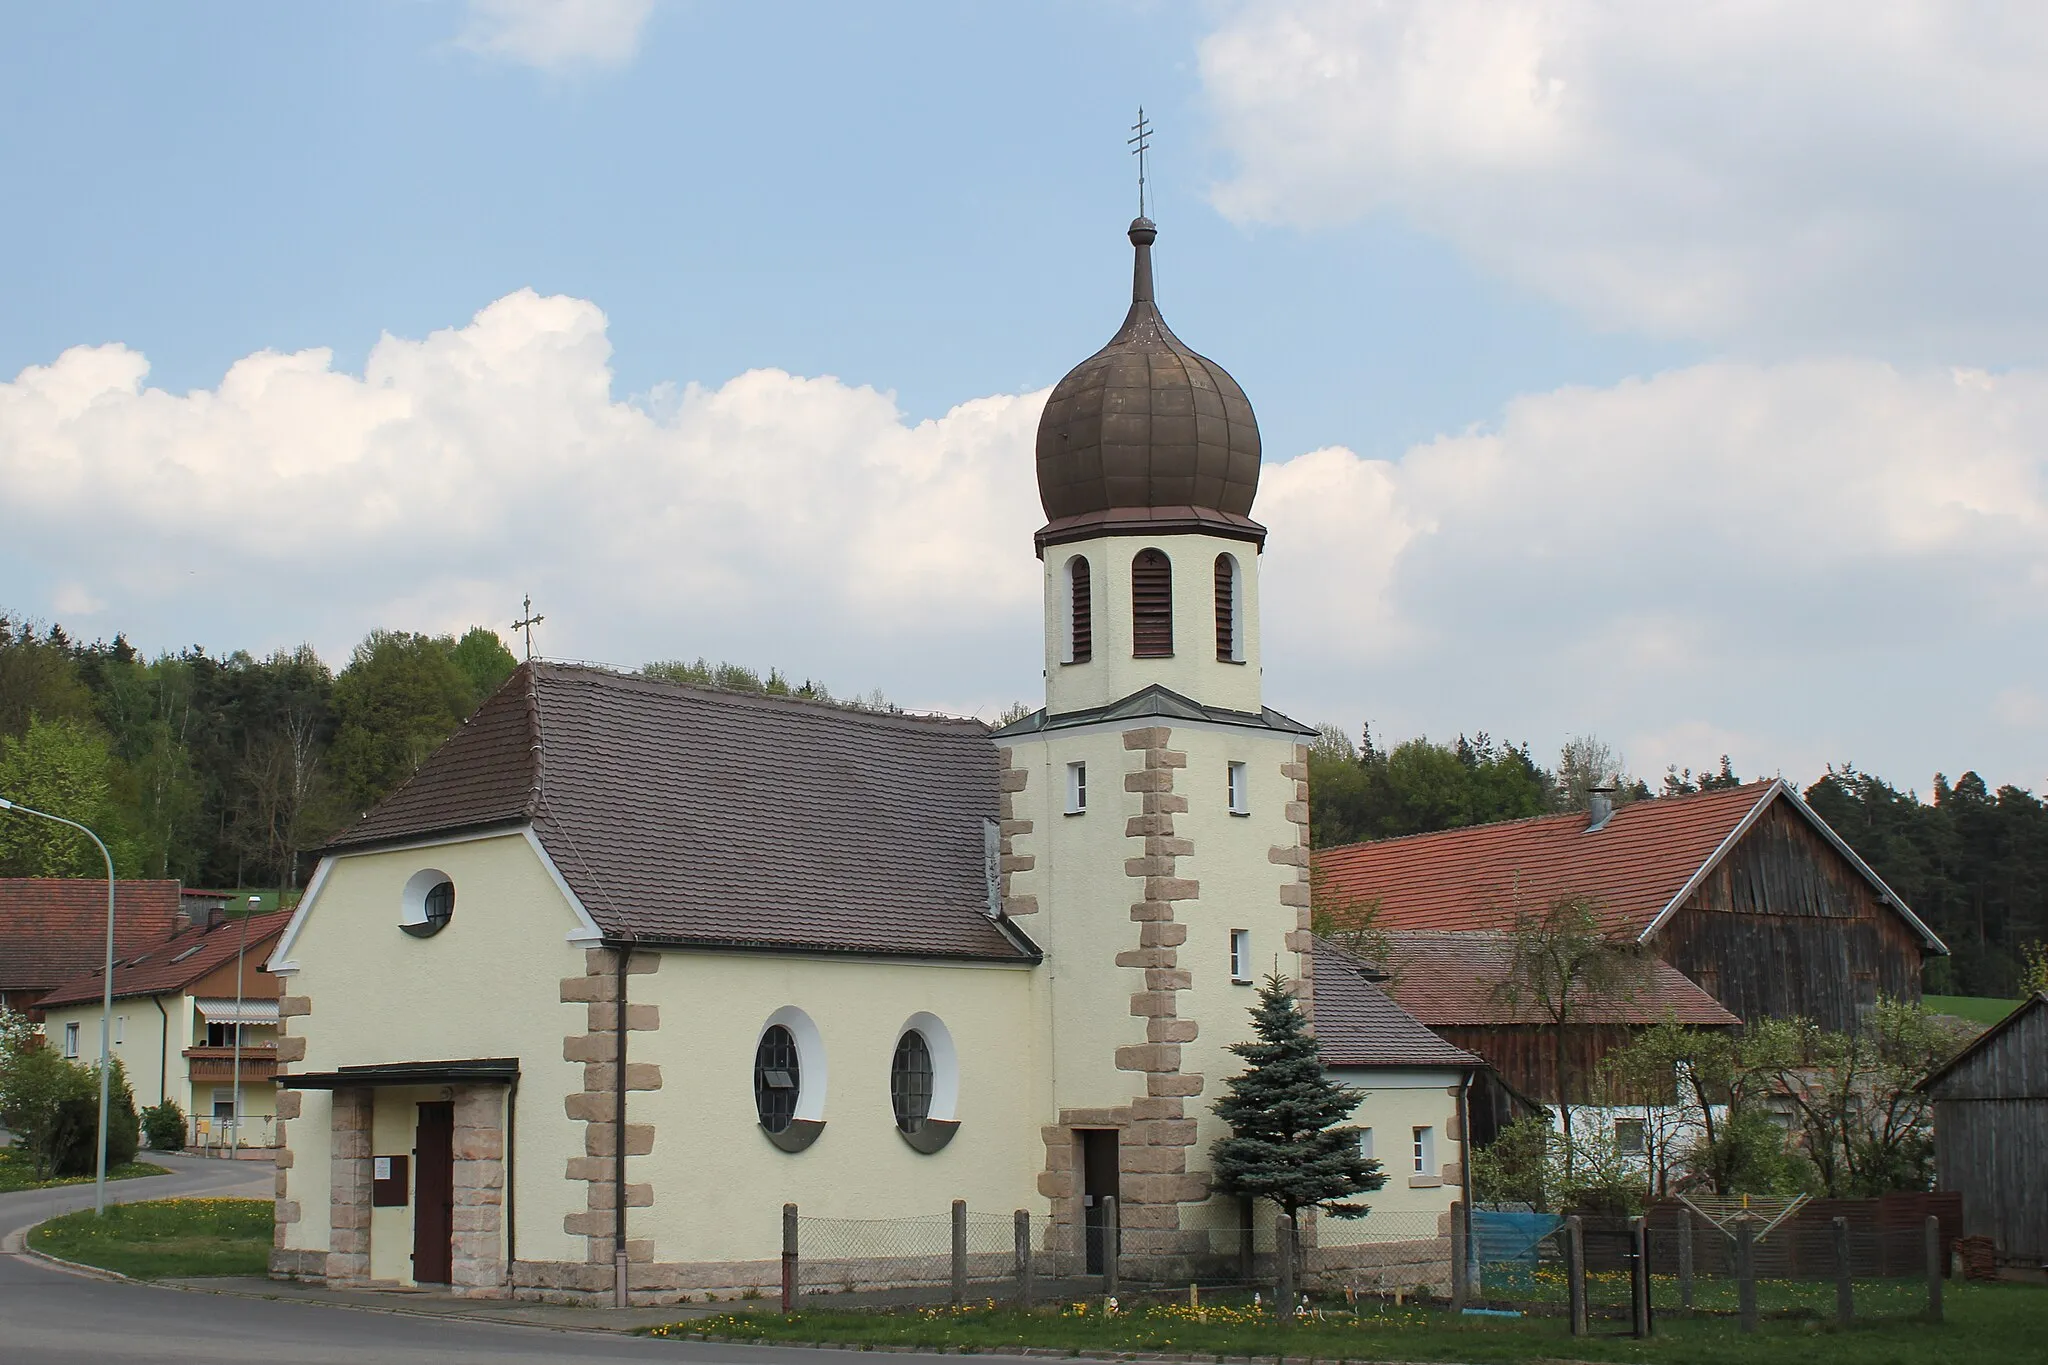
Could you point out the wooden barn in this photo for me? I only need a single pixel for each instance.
(1991, 1133)
(1746, 891)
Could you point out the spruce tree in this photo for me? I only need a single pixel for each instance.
(1282, 1109)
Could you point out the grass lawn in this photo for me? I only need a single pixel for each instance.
(1981, 1009)
(165, 1237)
(17, 1172)
(1984, 1322)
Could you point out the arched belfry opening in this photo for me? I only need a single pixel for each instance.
(1151, 605)
(1080, 612)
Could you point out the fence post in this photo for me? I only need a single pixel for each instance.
(1283, 1267)
(1460, 1289)
(1934, 1268)
(959, 1252)
(1745, 1272)
(1845, 1275)
(1685, 1258)
(1025, 1288)
(1575, 1271)
(789, 1258)
(1112, 1244)
(1639, 1279)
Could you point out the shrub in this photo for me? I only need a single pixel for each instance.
(164, 1126)
(74, 1137)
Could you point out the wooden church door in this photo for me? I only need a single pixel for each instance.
(433, 1205)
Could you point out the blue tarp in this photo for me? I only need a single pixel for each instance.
(1507, 1237)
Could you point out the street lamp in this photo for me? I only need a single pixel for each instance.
(240, 949)
(99, 1187)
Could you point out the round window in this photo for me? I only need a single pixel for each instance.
(910, 1081)
(777, 1078)
(428, 904)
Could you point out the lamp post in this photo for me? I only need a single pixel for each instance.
(235, 1142)
(99, 1187)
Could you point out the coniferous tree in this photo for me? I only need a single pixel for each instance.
(1283, 1110)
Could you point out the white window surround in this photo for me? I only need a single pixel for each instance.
(1077, 788)
(945, 1106)
(1241, 957)
(120, 1028)
(1425, 1151)
(810, 1060)
(412, 901)
(1238, 782)
(71, 1040)
(1365, 1143)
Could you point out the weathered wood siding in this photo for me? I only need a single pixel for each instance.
(1526, 1058)
(1786, 928)
(1991, 1137)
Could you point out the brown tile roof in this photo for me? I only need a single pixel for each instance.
(1634, 868)
(1450, 980)
(1357, 1024)
(173, 962)
(683, 815)
(53, 928)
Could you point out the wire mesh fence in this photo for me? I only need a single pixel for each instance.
(966, 1255)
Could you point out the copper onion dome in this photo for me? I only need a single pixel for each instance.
(1145, 423)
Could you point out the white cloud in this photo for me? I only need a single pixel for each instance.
(1864, 173)
(1793, 563)
(557, 34)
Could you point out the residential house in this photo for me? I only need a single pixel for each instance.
(176, 1021)
(54, 928)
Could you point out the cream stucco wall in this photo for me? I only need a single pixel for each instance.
(138, 1042)
(1398, 1101)
(1085, 894)
(718, 1182)
(1112, 673)
(488, 985)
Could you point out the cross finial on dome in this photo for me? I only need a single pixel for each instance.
(1139, 145)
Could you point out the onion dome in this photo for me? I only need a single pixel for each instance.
(1146, 432)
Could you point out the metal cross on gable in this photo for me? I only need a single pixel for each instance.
(528, 624)
(1139, 145)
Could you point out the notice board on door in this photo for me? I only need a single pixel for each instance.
(390, 1182)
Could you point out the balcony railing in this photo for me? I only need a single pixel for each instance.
(259, 1062)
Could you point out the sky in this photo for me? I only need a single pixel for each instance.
(1671, 375)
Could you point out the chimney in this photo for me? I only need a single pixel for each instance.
(1599, 808)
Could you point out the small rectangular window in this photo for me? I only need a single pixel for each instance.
(120, 1028)
(1077, 788)
(1365, 1143)
(1425, 1151)
(71, 1040)
(1241, 956)
(1240, 798)
(1628, 1136)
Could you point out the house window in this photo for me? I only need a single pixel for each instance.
(71, 1040)
(1241, 956)
(777, 1078)
(1365, 1143)
(221, 1035)
(1239, 781)
(1151, 605)
(120, 1028)
(1628, 1136)
(224, 1105)
(1080, 612)
(1425, 1151)
(1229, 610)
(1077, 788)
(910, 1081)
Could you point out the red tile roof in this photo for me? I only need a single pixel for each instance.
(1448, 980)
(173, 961)
(1634, 868)
(1358, 1025)
(53, 928)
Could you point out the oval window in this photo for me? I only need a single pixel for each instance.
(910, 1081)
(778, 1080)
(428, 903)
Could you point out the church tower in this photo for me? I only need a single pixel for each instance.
(1155, 812)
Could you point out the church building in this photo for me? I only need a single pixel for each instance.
(629, 965)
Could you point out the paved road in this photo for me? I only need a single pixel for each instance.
(49, 1317)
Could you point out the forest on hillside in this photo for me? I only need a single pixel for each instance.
(224, 770)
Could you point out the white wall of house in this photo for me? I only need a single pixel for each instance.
(1398, 1102)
